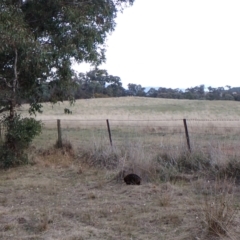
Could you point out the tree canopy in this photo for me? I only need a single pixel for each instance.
(98, 83)
(40, 39)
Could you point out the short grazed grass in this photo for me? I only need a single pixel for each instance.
(136, 108)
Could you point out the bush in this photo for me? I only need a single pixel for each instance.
(19, 135)
(9, 158)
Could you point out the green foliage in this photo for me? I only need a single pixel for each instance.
(67, 111)
(8, 158)
(20, 133)
(98, 83)
(136, 90)
(41, 39)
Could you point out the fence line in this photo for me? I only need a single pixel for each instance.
(145, 120)
(219, 134)
(161, 134)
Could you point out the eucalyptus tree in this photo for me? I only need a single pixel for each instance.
(39, 39)
(97, 82)
(136, 89)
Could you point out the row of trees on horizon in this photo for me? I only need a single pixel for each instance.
(99, 84)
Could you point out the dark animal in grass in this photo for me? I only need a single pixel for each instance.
(132, 179)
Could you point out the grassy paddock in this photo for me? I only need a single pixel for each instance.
(77, 192)
(219, 136)
(158, 122)
(136, 108)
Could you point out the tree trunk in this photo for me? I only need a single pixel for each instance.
(12, 101)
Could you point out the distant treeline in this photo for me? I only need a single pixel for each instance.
(197, 92)
(99, 84)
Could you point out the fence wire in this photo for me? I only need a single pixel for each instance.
(206, 135)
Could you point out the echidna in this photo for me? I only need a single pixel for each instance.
(132, 179)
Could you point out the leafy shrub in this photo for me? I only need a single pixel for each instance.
(20, 133)
(9, 158)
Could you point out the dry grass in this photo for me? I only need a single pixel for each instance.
(84, 211)
(65, 196)
(77, 192)
(156, 122)
(136, 108)
(221, 209)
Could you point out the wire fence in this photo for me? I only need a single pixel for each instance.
(167, 134)
(213, 135)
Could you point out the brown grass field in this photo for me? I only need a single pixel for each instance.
(75, 193)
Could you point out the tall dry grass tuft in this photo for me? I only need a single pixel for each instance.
(231, 168)
(209, 164)
(128, 157)
(219, 208)
(99, 153)
(53, 156)
(140, 160)
(159, 165)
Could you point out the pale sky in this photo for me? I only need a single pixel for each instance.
(176, 44)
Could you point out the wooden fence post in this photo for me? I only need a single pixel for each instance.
(187, 135)
(0, 132)
(109, 132)
(59, 141)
